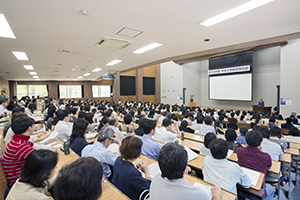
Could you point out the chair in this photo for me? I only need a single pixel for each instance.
(285, 131)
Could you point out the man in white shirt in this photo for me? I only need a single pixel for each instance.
(162, 117)
(207, 127)
(3, 105)
(113, 123)
(217, 169)
(64, 131)
(164, 133)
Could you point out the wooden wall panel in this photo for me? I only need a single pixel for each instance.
(103, 99)
(149, 71)
(128, 98)
(32, 82)
(4, 85)
(103, 82)
(149, 98)
(130, 73)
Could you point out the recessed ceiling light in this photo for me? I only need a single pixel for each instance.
(113, 62)
(147, 48)
(79, 77)
(5, 30)
(35, 76)
(235, 11)
(86, 74)
(32, 73)
(28, 67)
(97, 70)
(20, 55)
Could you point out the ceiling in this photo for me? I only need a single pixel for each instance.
(43, 27)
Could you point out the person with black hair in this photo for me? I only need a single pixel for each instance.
(171, 184)
(150, 148)
(8, 124)
(89, 117)
(126, 177)
(113, 124)
(232, 123)
(218, 170)
(183, 127)
(140, 130)
(103, 122)
(275, 135)
(207, 127)
(3, 105)
(80, 180)
(220, 123)
(164, 114)
(52, 114)
(293, 135)
(288, 123)
(208, 138)
(127, 127)
(186, 118)
(37, 177)
(99, 149)
(252, 157)
(77, 140)
(230, 136)
(64, 131)
(241, 138)
(165, 134)
(73, 112)
(81, 115)
(18, 149)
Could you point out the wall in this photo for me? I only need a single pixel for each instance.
(193, 76)
(4, 85)
(289, 74)
(171, 82)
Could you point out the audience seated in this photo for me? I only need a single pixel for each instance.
(170, 184)
(184, 128)
(230, 136)
(217, 169)
(126, 177)
(186, 118)
(150, 148)
(275, 135)
(77, 139)
(140, 130)
(232, 123)
(37, 177)
(220, 123)
(89, 118)
(127, 127)
(164, 133)
(99, 149)
(241, 138)
(64, 131)
(208, 138)
(288, 123)
(80, 180)
(207, 127)
(113, 124)
(162, 117)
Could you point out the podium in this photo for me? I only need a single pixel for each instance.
(192, 104)
(262, 109)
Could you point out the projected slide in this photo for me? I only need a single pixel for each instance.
(231, 87)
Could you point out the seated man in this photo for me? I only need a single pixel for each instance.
(113, 124)
(99, 149)
(208, 138)
(207, 127)
(275, 135)
(18, 149)
(288, 123)
(220, 123)
(64, 131)
(3, 105)
(241, 138)
(217, 169)
(230, 136)
(170, 184)
(149, 148)
(164, 133)
(253, 158)
(162, 117)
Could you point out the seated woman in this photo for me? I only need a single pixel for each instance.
(242, 119)
(103, 122)
(126, 177)
(37, 177)
(232, 123)
(77, 140)
(89, 117)
(31, 108)
(151, 113)
(208, 138)
(127, 127)
(51, 113)
(183, 127)
(80, 180)
(230, 136)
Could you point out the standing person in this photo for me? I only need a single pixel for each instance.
(261, 102)
(171, 184)
(37, 177)
(126, 177)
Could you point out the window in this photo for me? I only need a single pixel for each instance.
(32, 90)
(101, 90)
(70, 91)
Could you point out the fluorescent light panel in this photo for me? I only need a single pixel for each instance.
(113, 62)
(79, 77)
(32, 73)
(35, 76)
(97, 70)
(235, 11)
(37, 79)
(86, 74)
(5, 30)
(28, 67)
(147, 48)
(20, 55)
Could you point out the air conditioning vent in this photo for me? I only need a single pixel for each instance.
(113, 43)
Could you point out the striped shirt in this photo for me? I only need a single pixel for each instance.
(16, 152)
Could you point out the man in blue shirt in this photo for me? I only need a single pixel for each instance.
(150, 148)
(113, 123)
(99, 149)
(261, 102)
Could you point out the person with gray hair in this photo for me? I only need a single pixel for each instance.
(99, 149)
(113, 124)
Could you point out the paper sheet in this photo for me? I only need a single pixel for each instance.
(90, 135)
(253, 175)
(154, 169)
(191, 154)
(229, 153)
(52, 135)
(55, 146)
(114, 148)
(205, 188)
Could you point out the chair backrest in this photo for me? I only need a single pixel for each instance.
(243, 124)
(285, 131)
